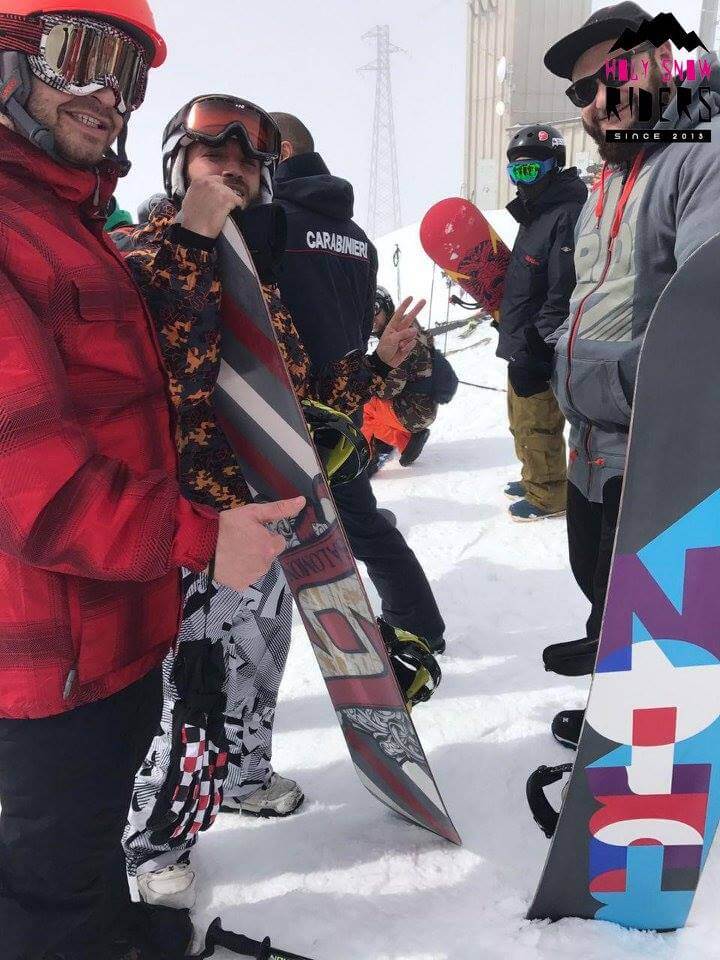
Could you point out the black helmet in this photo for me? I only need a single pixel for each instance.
(540, 141)
(383, 301)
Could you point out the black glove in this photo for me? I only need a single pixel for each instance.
(530, 367)
(264, 229)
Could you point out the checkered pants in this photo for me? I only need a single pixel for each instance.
(255, 629)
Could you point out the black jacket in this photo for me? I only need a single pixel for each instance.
(329, 273)
(541, 275)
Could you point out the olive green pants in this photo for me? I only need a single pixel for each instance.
(536, 424)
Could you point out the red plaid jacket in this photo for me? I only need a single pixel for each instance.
(93, 528)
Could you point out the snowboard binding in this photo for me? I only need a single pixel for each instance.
(544, 815)
(342, 448)
(414, 663)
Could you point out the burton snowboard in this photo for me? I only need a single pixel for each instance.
(458, 238)
(643, 800)
(263, 421)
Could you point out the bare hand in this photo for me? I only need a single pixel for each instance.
(400, 334)
(245, 547)
(207, 204)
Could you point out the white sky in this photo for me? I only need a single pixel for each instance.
(302, 57)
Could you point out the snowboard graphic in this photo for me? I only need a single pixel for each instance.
(644, 797)
(458, 238)
(260, 414)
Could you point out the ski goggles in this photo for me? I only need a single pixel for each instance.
(80, 56)
(583, 91)
(529, 171)
(214, 119)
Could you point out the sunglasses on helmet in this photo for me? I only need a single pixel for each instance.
(212, 119)
(80, 56)
(528, 171)
(583, 91)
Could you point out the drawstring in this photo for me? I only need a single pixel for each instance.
(600, 185)
(624, 196)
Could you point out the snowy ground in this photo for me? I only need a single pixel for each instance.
(345, 879)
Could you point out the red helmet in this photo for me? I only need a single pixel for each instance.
(135, 13)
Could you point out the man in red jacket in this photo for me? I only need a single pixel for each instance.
(93, 527)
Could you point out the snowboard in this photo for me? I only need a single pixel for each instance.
(643, 801)
(260, 414)
(458, 238)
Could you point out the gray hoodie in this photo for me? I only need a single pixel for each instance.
(674, 206)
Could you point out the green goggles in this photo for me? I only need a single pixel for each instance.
(529, 171)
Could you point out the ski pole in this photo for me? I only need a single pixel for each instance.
(481, 386)
(243, 946)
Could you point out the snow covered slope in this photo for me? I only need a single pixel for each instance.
(347, 880)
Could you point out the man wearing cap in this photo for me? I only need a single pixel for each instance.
(653, 205)
(93, 526)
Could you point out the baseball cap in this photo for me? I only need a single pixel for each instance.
(605, 24)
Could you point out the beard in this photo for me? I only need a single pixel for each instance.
(624, 153)
(70, 142)
(242, 188)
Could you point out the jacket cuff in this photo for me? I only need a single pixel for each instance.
(378, 366)
(188, 238)
(196, 536)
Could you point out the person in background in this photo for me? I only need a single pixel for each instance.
(328, 281)
(400, 416)
(538, 284)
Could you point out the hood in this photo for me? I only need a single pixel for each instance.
(711, 98)
(22, 160)
(307, 182)
(147, 207)
(565, 188)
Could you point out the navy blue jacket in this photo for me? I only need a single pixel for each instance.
(329, 273)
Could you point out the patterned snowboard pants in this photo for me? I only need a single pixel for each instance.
(255, 630)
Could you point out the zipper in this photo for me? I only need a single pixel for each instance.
(70, 681)
(625, 192)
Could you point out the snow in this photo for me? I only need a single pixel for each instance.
(345, 879)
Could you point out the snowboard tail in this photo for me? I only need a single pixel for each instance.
(643, 802)
(263, 421)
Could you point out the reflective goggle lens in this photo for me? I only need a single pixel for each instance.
(84, 55)
(524, 171)
(214, 116)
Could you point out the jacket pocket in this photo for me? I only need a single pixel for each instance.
(596, 393)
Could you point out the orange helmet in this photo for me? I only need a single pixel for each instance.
(135, 13)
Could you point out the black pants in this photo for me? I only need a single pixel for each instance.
(407, 600)
(591, 538)
(65, 789)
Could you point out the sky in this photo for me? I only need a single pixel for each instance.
(303, 58)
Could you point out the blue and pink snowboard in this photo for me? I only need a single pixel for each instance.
(643, 801)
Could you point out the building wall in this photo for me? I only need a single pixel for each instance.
(520, 31)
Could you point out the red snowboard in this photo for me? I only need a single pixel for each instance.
(458, 238)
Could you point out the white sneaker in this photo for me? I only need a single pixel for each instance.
(172, 886)
(279, 797)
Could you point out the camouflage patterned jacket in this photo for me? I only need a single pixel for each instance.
(407, 385)
(183, 290)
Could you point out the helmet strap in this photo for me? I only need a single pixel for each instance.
(15, 88)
